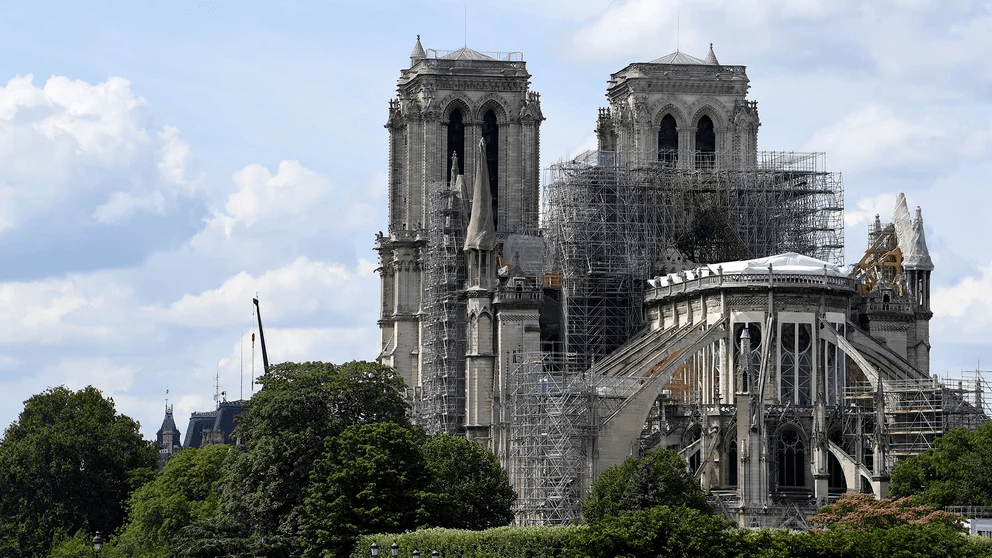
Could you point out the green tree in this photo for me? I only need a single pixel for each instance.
(284, 432)
(373, 478)
(470, 489)
(956, 472)
(184, 491)
(66, 465)
(655, 531)
(660, 478)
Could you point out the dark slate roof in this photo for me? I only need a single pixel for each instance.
(168, 423)
(197, 423)
(223, 418)
(226, 420)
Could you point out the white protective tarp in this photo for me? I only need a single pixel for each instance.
(910, 235)
(789, 263)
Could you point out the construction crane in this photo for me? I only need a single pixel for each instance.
(261, 337)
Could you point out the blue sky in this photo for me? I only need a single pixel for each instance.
(161, 162)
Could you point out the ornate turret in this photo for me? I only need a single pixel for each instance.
(418, 53)
(168, 437)
(894, 281)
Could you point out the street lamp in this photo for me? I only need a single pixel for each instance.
(97, 543)
(375, 549)
(435, 554)
(395, 548)
(416, 553)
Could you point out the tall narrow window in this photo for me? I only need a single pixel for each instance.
(456, 142)
(791, 459)
(668, 142)
(796, 363)
(834, 368)
(732, 464)
(705, 144)
(490, 132)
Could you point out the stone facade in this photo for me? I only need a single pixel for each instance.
(780, 378)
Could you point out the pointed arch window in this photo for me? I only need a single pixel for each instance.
(456, 142)
(705, 143)
(732, 464)
(791, 459)
(668, 142)
(490, 132)
(796, 363)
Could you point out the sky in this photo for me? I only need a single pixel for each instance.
(163, 162)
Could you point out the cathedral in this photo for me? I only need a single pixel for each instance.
(676, 287)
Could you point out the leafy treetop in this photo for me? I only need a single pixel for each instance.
(660, 478)
(956, 472)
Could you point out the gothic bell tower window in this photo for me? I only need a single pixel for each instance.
(490, 132)
(456, 141)
(668, 142)
(705, 144)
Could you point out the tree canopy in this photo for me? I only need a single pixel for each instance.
(184, 491)
(67, 464)
(956, 472)
(284, 432)
(372, 478)
(469, 488)
(660, 478)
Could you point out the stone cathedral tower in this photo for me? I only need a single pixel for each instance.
(682, 112)
(447, 104)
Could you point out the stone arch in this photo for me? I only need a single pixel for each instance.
(677, 110)
(495, 103)
(452, 102)
(792, 454)
(454, 129)
(708, 106)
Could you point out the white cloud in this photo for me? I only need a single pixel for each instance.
(99, 372)
(100, 119)
(44, 311)
(629, 28)
(963, 312)
(174, 157)
(291, 191)
(882, 205)
(122, 205)
(874, 138)
(70, 142)
(300, 288)
(17, 94)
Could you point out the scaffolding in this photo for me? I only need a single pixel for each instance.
(443, 319)
(916, 412)
(551, 434)
(611, 226)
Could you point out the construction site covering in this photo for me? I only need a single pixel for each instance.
(441, 404)
(610, 226)
(551, 436)
(916, 412)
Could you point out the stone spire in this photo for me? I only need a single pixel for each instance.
(481, 233)
(921, 253)
(418, 52)
(711, 57)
